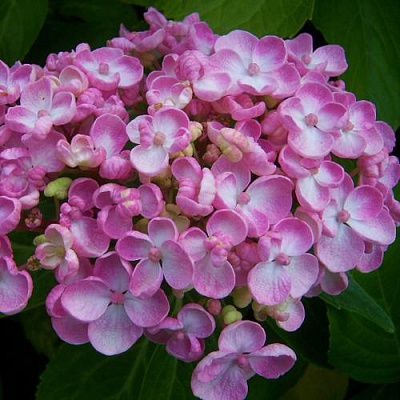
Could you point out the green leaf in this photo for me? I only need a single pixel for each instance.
(369, 32)
(38, 330)
(360, 348)
(71, 22)
(273, 389)
(311, 340)
(319, 383)
(379, 392)
(261, 17)
(356, 299)
(22, 245)
(144, 372)
(20, 23)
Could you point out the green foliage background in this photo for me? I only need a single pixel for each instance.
(349, 346)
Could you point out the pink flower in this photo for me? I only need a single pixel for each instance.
(13, 81)
(286, 269)
(330, 59)
(165, 133)
(213, 274)
(57, 252)
(40, 110)
(115, 317)
(108, 68)
(222, 374)
(184, 336)
(256, 66)
(312, 118)
(196, 187)
(15, 287)
(354, 215)
(159, 246)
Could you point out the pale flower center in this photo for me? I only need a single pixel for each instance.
(104, 68)
(311, 119)
(243, 198)
(159, 138)
(343, 216)
(154, 254)
(117, 298)
(282, 259)
(253, 69)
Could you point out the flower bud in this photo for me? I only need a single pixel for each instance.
(39, 240)
(241, 296)
(213, 306)
(230, 315)
(58, 188)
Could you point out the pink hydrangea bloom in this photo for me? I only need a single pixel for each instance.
(223, 374)
(185, 334)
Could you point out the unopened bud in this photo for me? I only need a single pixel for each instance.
(230, 315)
(39, 240)
(141, 225)
(213, 306)
(58, 188)
(241, 296)
(33, 264)
(196, 129)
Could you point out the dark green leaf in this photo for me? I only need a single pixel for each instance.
(319, 383)
(311, 340)
(262, 17)
(360, 348)
(20, 23)
(72, 22)
(144, 372)
(38, 330)
(357, 300)
(379, 392)
(22, 245)
(273, 389)
(369, 32)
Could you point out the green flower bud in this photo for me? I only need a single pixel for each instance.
(58, 188)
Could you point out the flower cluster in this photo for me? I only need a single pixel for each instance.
(191, 168)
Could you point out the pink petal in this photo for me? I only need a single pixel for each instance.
(313, 97)
(272, 195)
(177, 265)
(149, 161)
(341, 253)
(349, 145)
(212, 281)
(20, 119)
(111, 222)
(329, 174)
(295, 235)
(242, 337)
(311, 142)
(269, 283)
(192, 241)
(86, 300)
(242, 42)
(229, 385)
(146, 278)
(362, 115)
(296, 312)
(188, 348)
(228, 222)
(169, 121)
(196, 320)
(162, 229)
(15, 287)
(134, 246)
(303, 272)
(71, 330)
(129, 69)
(10, 213)
(329, 117)
(147, 312)
(37, 96)
(89, 240)
(273, 360)
(269, 53)
(364, 202)
(113, 333)
(63, 108)
(380, 230)
(108, 131)
(311, 195)
(113, 271)
(212, 87)
(227, 191)
(152, 200)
